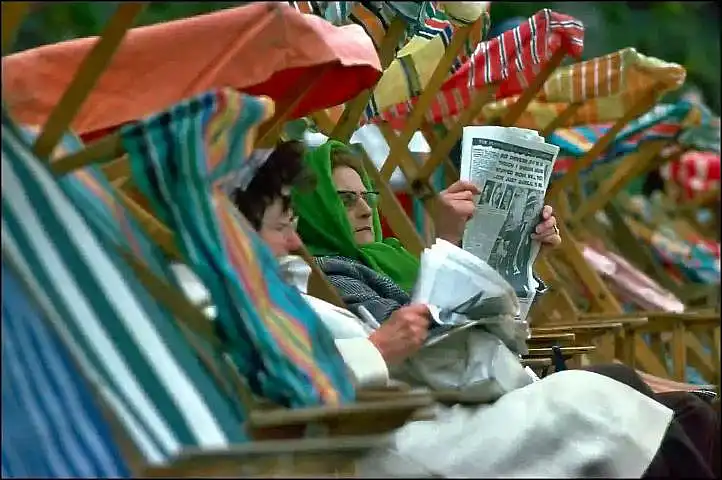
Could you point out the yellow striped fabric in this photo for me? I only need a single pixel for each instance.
(607, 86)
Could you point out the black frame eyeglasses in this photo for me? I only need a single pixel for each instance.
(350, 198)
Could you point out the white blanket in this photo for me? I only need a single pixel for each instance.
(571, 424)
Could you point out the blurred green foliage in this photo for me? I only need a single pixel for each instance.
(683, 32)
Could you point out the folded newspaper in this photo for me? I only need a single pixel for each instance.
(463, 291)
(511, 167)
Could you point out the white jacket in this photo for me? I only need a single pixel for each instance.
(363, 360)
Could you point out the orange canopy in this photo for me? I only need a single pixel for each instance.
(262, 48)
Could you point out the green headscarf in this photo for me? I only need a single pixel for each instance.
(325, 229)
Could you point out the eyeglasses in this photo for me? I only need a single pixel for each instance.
(350, 199)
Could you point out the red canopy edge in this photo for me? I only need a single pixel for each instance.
(261, 48)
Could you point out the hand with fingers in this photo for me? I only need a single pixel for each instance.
(455, 207)
(547, 231)
(403, 333)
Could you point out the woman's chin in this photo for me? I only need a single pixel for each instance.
(364, 236)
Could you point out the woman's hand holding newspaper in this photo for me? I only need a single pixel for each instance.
(455, 207)
(402, 334)
(547, 231)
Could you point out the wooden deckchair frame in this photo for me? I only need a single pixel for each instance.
(599, 289)
(601, 297)
(611, 186)
(442, 150)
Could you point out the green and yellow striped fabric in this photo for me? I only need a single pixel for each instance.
(179, 160)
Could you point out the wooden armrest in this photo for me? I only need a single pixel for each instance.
(302, 457)
(566, 351)
(362, 418)
(613, 317)
(381, 393)
(551, 337)
(587, 326)
(668, 322)
(454, 397)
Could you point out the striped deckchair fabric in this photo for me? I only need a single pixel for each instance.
(694, 172)
(692, 259)
(630, 285)
(179, 160)
(92, 193)
(704, 132)
(511, 60)
(430, 26)
(663, 122)
(130, 348)
(606, 87)
(52, 426)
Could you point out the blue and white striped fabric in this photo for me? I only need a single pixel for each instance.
(126, 344)
(51, 424)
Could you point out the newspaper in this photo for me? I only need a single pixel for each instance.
(511, 167)
(462, 291)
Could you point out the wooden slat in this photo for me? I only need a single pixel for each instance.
(561, 119)
(639, 107)
(88, 74)
(353, 110)
(626, 170)
(441, 150)
(602, 297)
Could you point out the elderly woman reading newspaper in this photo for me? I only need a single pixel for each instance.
(597, 427)
(340, 225)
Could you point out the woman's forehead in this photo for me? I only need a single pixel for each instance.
(346, 178)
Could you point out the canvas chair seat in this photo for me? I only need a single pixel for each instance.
(128, 346)
(630, 284)
(429, 28)
(696, 261)
(92, 191)
(690, 257)
(52, 426)
(511, 60)
(262, 48)
(605, 87)
(694, 172)
(703, 134)
(272, 335)
(663, 122)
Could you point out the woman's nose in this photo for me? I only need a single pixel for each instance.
(363, 209)
(293, 241)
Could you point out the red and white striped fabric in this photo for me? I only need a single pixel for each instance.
(662, 385)
(512, 60)
(695, 172)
